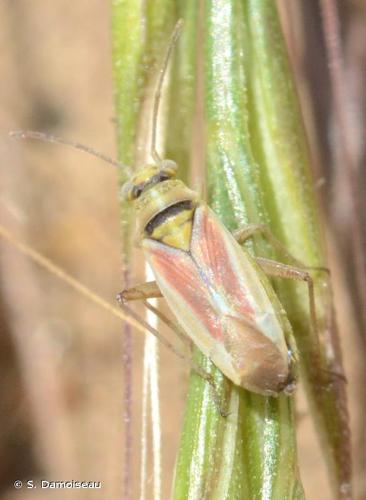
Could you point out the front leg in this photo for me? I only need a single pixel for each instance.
(144, 291)
(151, 290)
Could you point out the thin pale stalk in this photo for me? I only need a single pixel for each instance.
(139, 32)
(127, 49)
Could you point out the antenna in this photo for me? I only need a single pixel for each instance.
(173, 39)
(41, 136)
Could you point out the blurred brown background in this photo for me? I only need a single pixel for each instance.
(61, 414)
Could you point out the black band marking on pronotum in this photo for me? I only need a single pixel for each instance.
(167, 213)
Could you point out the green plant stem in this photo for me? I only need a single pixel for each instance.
(279, 146)
(258, 171)
(252, 453)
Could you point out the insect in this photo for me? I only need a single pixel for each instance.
(219, 295)
(221, 298)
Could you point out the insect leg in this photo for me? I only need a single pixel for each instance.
(298, 272)
(277, 269)
(150, 290)
(162, 339)
(215, 394)
(245, 232)
(127, 315)
(133, 319)
(171, 324)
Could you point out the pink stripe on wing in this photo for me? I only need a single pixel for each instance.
(210, 248)
(179, 272)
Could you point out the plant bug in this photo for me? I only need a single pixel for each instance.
(220, 295)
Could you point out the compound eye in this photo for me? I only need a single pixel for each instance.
(136, 191)
(127, 192)
(169, 168)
